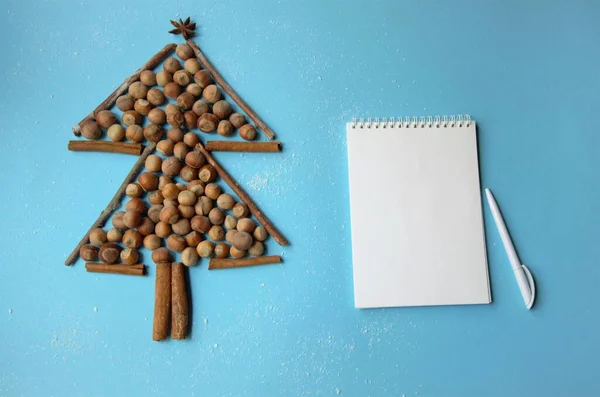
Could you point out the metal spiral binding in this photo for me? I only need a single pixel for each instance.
(444, 121)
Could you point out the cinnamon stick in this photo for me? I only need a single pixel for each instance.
(114, 203)
(244, 197)
(132, 270)
(106, 146)
(231, 263)
(179, 302)
(162, 301)
(229, 90)
(232, 146)
(120, 90)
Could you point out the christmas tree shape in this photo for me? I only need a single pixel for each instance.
(176, 204)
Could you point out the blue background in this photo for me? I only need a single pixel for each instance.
(528, 72)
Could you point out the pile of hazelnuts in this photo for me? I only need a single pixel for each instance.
(195, 102)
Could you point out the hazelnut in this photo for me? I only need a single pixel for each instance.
(109, 253)
(154, 212)
(157, 116)
(161, 255)
(90, 130)
(88, 253)
(187, 197)
(257, 249)
(131, 117)
(135, 204)
(175, 119)
(114, 235)
(171, 203)
(216, 216)
(230, 235)
(225, 201)
(125, 103)
(245, 225)
(134, 133)
(165, 147)
(225, 128)
(207, 173)
(171, 65)
(153, 163)
(181, 150)
(213, 191)
(208, 122)
(171, 166)
(193, 238)
(129, 256)
(134, 190)
(222, 109)
(170, 191)
(248, 132)
(148, 78)
(222, 250)
(171, 108)
(169, 215)
(260, 233)
(162, 229)
(148, 180)
(117, 220)
(155, 97)
(211, 93)
(192, 65)
(216, 233)
(182, 77)
(172, 90)
(196, 186)
(155, 197)
(97, 236)
(203, 78)
(164, 181)
(181, 227)
(163, 78)
(191, 139)
(146, 227)
(184, 51)
(194, 89)
(230, 222)
(188, 173)
(152, 242)
(138, 90)
(190, 119)
(132, 219)
(116, 132)
(205, 249)
(203, 205)
(195, 159)
(240, 210)
(187, 211)
(176, 243)
(142, 106)
(153, 132)
(200, 224)
(105, 118)
(242, 240)
(189, 257)
(200, 107)
(236, 253)
(237, 119)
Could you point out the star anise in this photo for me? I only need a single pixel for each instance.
(185, 28)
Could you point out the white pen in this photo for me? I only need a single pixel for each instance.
(522, 273)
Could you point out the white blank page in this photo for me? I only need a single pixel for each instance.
(417, 228)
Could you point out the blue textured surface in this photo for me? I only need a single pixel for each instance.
(526, 71)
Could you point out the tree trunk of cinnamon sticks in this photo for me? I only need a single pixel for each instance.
(179, 302)
(162, 301)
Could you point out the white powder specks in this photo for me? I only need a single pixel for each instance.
(10, 311)
(95, 309)
(258, 183)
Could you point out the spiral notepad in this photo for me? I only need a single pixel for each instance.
(415, 200)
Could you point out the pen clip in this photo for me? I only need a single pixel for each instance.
(531, 286)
